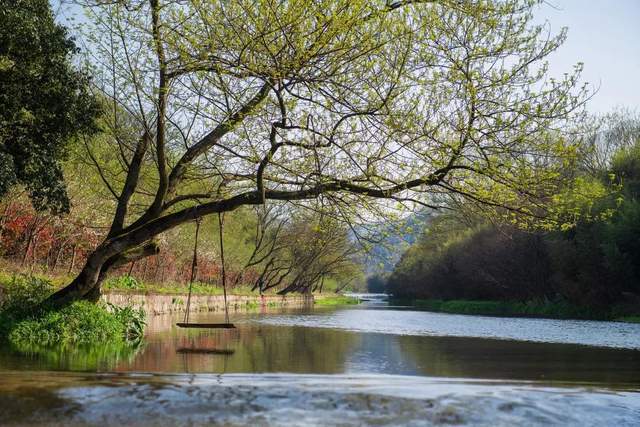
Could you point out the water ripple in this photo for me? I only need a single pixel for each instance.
(422, 323)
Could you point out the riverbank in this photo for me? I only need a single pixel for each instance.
(157, 303)
(165, 298)
(533, 309)
(324, 299)
(328, 366)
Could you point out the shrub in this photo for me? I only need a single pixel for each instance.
(24, 293)
(23, 319)
(80, 322)
(123, 282)
(132, 321)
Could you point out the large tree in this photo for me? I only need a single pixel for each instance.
(339, 102)
(44, 101)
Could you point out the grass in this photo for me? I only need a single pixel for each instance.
(24, 321)
(335, 300)
(628, 319)
(81, 322)
(130, 284)
(545, 309)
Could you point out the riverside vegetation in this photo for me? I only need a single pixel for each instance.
(30, 326)
(191, 148)
(590, 269)
(26, 322)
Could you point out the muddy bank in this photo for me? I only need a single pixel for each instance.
(155, 304)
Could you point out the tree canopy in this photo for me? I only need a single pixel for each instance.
(44, 101)
(325, 103)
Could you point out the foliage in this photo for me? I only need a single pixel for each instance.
(131, 320)
(44, 102)
(23, 294)
(123, 282)
(341, 107)
(590, 262)
(534, 308)
(376, 284)
(79, 322)
(335, 300)
(55, 247)
(24, 321)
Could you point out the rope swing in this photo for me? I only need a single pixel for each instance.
(194, 271)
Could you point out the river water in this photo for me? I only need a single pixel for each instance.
(371, 364)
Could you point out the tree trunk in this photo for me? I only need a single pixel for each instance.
(73, 259)
(34, 257)
(157, 270)
(104, 258)
(26, 250)
(56, 260)
(84, 283)
(3, 220)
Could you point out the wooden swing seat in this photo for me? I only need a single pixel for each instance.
(194, 268)
(206, 325)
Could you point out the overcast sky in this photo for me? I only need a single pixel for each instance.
(605, 36)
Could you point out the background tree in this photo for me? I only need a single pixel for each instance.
(345, 101)
(44, 101)
(592, 262)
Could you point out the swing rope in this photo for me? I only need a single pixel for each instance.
(194, 270)
(224, 275)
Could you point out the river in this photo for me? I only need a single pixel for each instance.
(371, 364)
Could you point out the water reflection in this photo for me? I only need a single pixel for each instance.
(250, 348)
(302, 342)
(98, 357)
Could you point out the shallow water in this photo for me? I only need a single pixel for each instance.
(403, 321)
(301, 400)
(369, 364)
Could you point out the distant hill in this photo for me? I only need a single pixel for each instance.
(391, 240)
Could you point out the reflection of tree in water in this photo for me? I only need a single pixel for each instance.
(69, 357)
(497, 359)
(256, 348)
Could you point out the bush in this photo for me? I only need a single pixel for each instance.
(24, 293)
(132, 321)
(123, 282)
(23, 319)
(80, 322)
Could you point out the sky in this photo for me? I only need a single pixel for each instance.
(605, 36)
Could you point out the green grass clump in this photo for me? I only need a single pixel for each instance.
(24, 320)
(335, 300)
(549, 309)
(131, 284)
(80, 322)
(123, 282)
(23, 294)
(628, 319)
